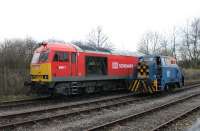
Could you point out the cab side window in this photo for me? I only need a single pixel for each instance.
(61, 57)
(56, 57)
(73, 57)
(164, 61)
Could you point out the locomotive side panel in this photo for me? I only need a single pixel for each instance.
(121, 65)
(113, 65)
(60, 65)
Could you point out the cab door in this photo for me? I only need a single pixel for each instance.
(61, 66)
(73, 64)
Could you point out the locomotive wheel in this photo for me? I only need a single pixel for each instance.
(167, 88)
(89, 89)
(170, 88)
(180, 85)
(176, 85)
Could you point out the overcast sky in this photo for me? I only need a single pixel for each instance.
(123, 20)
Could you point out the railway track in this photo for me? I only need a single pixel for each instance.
(53, 100)
(9, 120)
(42, 100)
(10, 104)
(131, 117)
(72, 109)
(175, 119)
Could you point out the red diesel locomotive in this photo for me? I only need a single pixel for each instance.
(67, 69)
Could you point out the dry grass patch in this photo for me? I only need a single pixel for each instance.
(192, 74)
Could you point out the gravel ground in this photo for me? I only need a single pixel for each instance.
(189, 123)
(56, 101)
(47, 104)
(62, 111)
(152, 120)
(83, 121)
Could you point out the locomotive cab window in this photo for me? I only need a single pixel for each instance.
(61, 56)
(43, 57)
(158, 60)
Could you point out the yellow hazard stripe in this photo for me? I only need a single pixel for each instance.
(136, 88)
(132, 88)
(131, 85)
(150, 89)
(135, 85)
(154, 85)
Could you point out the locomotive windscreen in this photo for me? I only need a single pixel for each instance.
(40, 57)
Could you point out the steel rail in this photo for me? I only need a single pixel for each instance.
(10, 125)
(75, 112)
(137, 115)
(79, 103)
(182, 115)
(66, 105)
(18, 103)
(23, 102)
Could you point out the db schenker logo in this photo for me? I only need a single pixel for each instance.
(116, 65)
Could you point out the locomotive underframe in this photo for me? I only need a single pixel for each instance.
(79, 87)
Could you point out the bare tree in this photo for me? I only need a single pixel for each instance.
(98, 39)
(174, 42)
(165, 48)
(154, 43)
(195, 37)
(15, 60)
(190, 47)
(149, 43)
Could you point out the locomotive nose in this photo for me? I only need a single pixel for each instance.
(40, 72)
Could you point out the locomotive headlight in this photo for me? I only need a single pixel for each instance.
(45, 76)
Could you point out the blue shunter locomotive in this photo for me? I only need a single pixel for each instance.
(156, 73)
